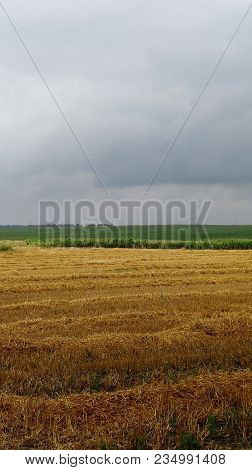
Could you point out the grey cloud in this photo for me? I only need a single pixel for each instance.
(126, 74)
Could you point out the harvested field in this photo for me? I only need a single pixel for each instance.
(125, 349)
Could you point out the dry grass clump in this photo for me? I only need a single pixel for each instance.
(125, 349)
(5, 247)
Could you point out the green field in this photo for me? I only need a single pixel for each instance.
(165, 232)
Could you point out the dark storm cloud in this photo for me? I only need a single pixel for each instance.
(126, 75)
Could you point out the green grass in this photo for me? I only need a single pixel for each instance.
(152, 232)
(228, 244)
(161, 237)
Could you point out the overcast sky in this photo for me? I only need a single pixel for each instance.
(126, 73)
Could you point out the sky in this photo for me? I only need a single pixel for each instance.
(125, 74)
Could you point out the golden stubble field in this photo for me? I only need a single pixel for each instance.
(125, 349)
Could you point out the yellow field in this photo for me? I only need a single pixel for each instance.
(130, 349)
